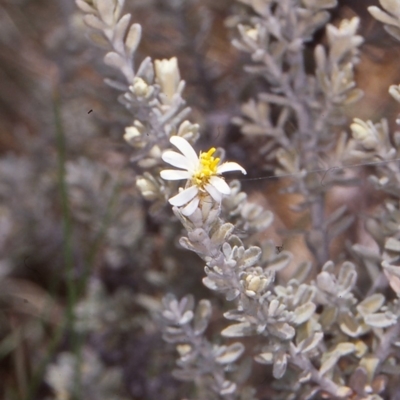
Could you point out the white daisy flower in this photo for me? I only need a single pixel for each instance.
(202, 173)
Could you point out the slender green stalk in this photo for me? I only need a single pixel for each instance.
(68, 319)
(99, 237)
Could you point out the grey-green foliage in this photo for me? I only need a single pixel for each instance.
(275, 34)
(324, 336)
(200, 360)
(98, 381)
(389, 17)
(152, 92)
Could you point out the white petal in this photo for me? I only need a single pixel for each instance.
(191, 207)
(230, 166)
(186, 149)
(184, 196)
(176, 159)
(214, 193)
(174, 175)
(220, 185)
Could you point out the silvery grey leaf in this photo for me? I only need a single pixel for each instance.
(173, 330)
(340, 226)
(371, 259)
(282, 330)
(250, 44)
(358, 380)
(202, 316)
(186, 303)
(198, 235)
(326, 4)
(302, 271)
(116, 84)
(347, 275)
(273, 307)
(316, 21)
(329, 363)
(320, 57)
(265, 358)
(231, 294)
(166, 300)
(187, 244)
(260, 6)
(241, 46)
(349, 325)
(238, 330)
(235, 315)
(353, 96)
(187, 374)
(99, 40)
(325, 282)
(391, 6)
(284, 116)
(211, 284)
(254, 129)
(381, 16)
(393, 269)
(106, 10)
(92, 21)
(392, 244)
(280, 365)
(274, 99)
(371, 304)
(169, 315)
(251, 256)
(335, 215)
(228, 387)
(85, 7)
(381, 320)
(328, 317)
(394, 91)
(114, 60)
(146, 70)
(186, 317)
(231, 353)
(119, 4)
(119, 33)
(311, 343)
(222, 233)
(303, 313)
(281, 261)
(255, 69)
(186, 359)
(174, 338)
(274, 27)
(304, 294)
(345, 348)
(133, 38)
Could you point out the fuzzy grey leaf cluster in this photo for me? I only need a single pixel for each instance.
(199, 360)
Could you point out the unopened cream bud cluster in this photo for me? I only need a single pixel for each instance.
(140, 88)
(255, 283)
(365, 132)
(133, 133)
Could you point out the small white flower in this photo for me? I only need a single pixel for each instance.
(202, 174)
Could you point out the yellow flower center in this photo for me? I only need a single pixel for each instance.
(207, 168)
